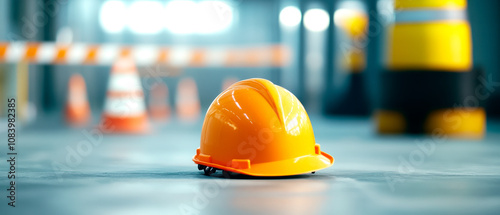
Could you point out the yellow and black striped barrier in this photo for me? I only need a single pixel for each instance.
(429, 77)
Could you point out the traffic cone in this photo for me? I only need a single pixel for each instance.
(124, 110)
(159, 106)
(77, 107)
(187, 103)
(228, 82)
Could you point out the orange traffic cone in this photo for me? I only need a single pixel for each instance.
(77, 107)
(228, 82)
(187, 101)
(124, 110)
(159, 106)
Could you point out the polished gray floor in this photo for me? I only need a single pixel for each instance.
(154, 174)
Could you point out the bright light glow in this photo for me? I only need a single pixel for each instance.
(386, 9)
(180, 17)
(290, 16)
(316, 20)
(214, 16)
(348, 10)
(346, 18)
(64, 36)
(340, 15)
(145, 17)
(112, 16)
(187, 17)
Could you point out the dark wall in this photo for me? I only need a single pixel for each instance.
(485, 18)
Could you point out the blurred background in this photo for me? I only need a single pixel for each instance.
(305, 30)
(308, 37)
(69, 63)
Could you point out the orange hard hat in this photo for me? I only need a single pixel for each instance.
(257, 128)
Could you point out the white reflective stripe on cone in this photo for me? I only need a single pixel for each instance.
(412, 16)
(187, 100)
(129, 106)
(126, 82)
(77, 97)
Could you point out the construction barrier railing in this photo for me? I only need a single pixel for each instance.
(275, 55)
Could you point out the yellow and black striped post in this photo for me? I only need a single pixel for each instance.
(429, 83)
(351, 22)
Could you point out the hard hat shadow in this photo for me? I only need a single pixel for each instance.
(237, 176)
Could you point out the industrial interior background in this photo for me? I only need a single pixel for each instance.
(301, 45)
(253, 23)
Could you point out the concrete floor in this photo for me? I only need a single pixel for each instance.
(154, 174)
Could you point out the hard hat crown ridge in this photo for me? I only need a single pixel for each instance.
(257, 128)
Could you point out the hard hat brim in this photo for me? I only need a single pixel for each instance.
(295, 166)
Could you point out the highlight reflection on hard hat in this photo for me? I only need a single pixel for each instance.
(249, 106)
